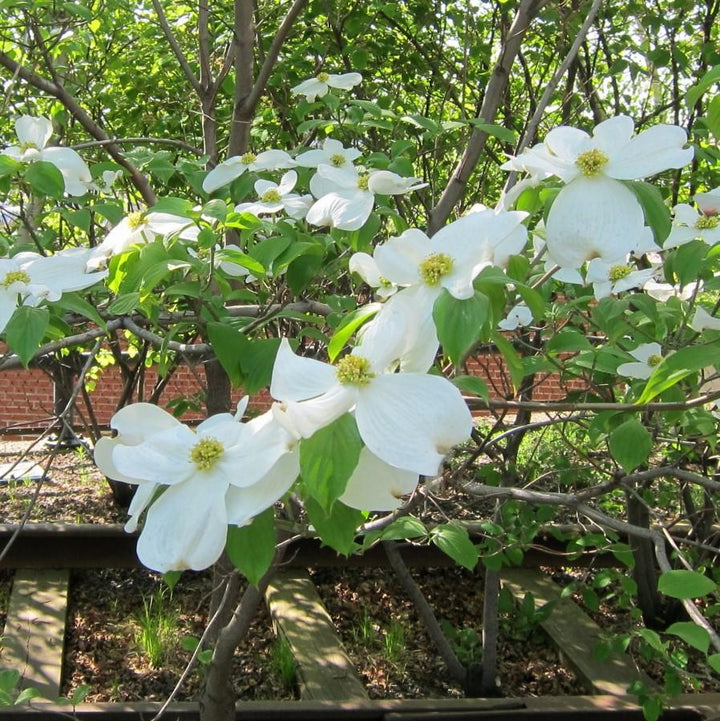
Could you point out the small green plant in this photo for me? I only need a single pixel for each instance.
(520, 621)
(364, 630)
(10, 695)
(282, 663)
(157, 635)
(466, 642)
(395, 643)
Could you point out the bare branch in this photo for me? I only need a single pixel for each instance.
(78, 112)
(140, 141)
(476, 404)
(532, 126)
(495, 91)
(175, 47)
(272, 56)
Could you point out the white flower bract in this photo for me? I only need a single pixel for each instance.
(224, 472)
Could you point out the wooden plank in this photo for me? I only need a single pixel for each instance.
(35, 629)
(575, 634)
(325, 672)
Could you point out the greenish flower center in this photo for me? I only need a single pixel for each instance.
(28, 146)
(435, 267)
(362, 182)
(618, 272)
(707, 222)
(654, 359)
(248, 158)
(323, 77)
(337, 160)
(384, 282)
(15, 276)
(135, 220)
(354, 370)
(271, 196)
(591, 162)
(206, 453)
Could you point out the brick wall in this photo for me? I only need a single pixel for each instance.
(26, 396)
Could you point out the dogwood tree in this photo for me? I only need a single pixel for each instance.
(357, 243)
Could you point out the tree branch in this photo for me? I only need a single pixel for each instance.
(56, 90)
(495, 91)
(532, 126)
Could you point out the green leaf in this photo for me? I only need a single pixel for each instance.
(257, 360)
(124, 304)
(349, 324)
(27, 694)
(677, 366)
(473, 385)
(302, 270)
(171, 578)
(328, 459)
(652, 638)
(714, 661)
(630, 444)
(244, 260)
(336, 529)
(652, 708)
(9, 680)
(79, 218)
(174, 206)
(420, 121)
(8, 166)
(712, 116)
(77, 304)
(45, 179)
(251, 548)
(453, 540)
(496, 131)
(404, 527)
(512, 359)
(25, 331)
(684, 584)
(694, 635)
(460, 322)
(568, 340)
(696, 91)
(228, 344)
(112, 212)
(215, 209)
(657, 214)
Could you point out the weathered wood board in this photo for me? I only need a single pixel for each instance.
(325, 672)
(575, 634)
(35, 629)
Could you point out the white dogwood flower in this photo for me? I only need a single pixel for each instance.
(345, 197)
(408, 420)
(223, 472)
(611, 151)
(423, 267)
(609, 278)
(708, 202)
(320, 85)
(647, 357)
(332, 153)
(702, 320)
(224, 173)
(689, 224)
(30, 279)
(139, 228)
(595, 218)
(376, 486)
(518, 317)
(278, 197)
(34, 134)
